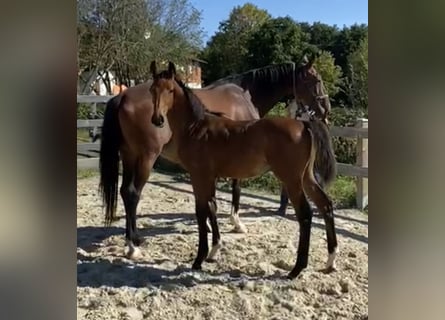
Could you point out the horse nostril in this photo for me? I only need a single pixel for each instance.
(158, 121)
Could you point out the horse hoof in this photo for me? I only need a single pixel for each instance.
(239, 229)
(196, 266)
(290, 276)
(294, 273)
(211, 260)
(281, 212)
(138, 241)
(134, 253)
(328, 270)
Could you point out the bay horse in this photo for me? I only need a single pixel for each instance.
(280, 83)
(211, 146)
(128, 135)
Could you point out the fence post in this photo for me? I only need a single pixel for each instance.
(362, 161)
(93, 114)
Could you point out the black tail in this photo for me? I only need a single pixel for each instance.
(325, 166)
(109, 158)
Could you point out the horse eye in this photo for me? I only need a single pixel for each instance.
(171, 91)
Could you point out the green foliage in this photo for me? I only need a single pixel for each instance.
(320, 35)
(251, 38)
(279, 110)
(83, 111)
(278, 40)
(227, 49)
(346, 42)
(342, 192)
(330, 72)
(345, 148)
(357, 80)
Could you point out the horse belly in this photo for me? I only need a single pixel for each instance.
(243, 165)
(170, 152)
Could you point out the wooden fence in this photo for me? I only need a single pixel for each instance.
(360, 132)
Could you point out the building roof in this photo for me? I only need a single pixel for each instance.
(199, 60)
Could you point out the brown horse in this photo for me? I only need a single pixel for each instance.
(210, 146)
(127, 132)
(279, 83)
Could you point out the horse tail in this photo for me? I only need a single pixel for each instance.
(111, 138)
(325, 165)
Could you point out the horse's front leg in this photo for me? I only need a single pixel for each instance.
(205, 206)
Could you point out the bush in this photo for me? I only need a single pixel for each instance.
(345, 148)
(84, 111)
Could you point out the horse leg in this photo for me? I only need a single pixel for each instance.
(284, 201)
(304, 216)
(130, 198)
(145, 165)
(132, 186)
(216, 238)
(284, 198)
(325, 207)
(234, 216)
(205, 204)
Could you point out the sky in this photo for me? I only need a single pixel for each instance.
(339, 12)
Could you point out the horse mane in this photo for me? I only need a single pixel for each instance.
(198, 108)
(259, 76)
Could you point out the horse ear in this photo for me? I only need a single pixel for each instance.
(304, 61)
(314, 57)
(171, 69)
(153, 68)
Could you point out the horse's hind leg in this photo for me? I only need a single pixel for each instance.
(130, 198)
(234, 216)
(204, 191)
(324, 205)
(284, 201)
(304, 216)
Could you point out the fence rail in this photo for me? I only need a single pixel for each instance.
(359, 132)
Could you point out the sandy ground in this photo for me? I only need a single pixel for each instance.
(245, 283)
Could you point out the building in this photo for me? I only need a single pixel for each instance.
(193, 73)
(91, 83)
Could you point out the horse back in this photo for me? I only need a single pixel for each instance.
(229, 99)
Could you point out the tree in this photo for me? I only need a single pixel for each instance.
(357, 80)
(278, 40)
(123, 36)
(346, 42)
(330, 72)
(226, 51)
(321, 35)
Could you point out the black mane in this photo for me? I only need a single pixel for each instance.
(260, 77)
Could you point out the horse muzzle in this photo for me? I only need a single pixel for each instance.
(158, 121)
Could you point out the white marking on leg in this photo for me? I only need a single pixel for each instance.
(209, 225)
(133, 252)
(239, 227)
(214, 251)
(330, 264)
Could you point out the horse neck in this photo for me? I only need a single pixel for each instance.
(180, 116)
(265, 99)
